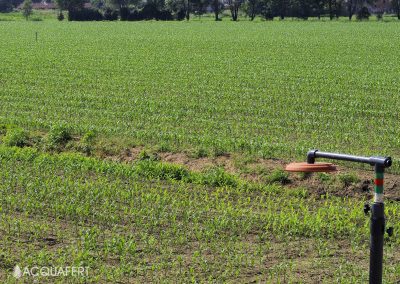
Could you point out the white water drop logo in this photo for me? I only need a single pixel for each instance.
(17, 272)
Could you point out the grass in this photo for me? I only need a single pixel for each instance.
(131, 223)
(274, 89)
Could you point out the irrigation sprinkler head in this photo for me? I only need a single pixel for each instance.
(311, 167)
(385, 162)
(381, 162)
(311, 156)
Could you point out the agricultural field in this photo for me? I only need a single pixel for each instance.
(156, 222)
(153, 151)
(274, 89)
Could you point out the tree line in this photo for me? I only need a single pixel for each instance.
(132, 10)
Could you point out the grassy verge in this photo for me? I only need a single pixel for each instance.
(152, 221)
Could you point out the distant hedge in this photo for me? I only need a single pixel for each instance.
(148, 12)
(110, 15)
(85, 15)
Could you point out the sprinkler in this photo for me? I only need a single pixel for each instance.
(377, 225)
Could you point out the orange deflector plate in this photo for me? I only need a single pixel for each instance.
(310, 168)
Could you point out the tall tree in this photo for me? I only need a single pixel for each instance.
(396, 7)
(301, 8)
(70, 5)
(267, 9)
(181, 8)
(16, 3)
(188, 9)
(27, 9)
(217, 8)
(6, 6)
(337, 8)
(99, 4)
(352, 6)
(252, 8)
(234, 6)
(330, 8)
(199, 7)
(120, 5)
(319, 7)
(282, 8)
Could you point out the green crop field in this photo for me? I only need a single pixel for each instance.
(159, 223)
(270, 89)
(152, 152)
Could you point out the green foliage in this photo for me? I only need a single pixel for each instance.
(396, 7)
(59, 135)
(15, 137)
(298, 192)
(27, 8)
(348, 179)
(3, 129)
(217, 176)
(304, 175)
(6, 6)
(218, 150)
(70, 4)
(146, 156)
(278, 176)
(87, 142)
(199, 7)
(143, 155)
(251, 8)
(161, 170)
(267, 9)
(164, 147)
(179, 8)
(60, 16)
(89, 137)
(200, 153)
(323, 177)
(363, 14)
(110, 14)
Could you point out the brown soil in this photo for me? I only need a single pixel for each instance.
(257, 169)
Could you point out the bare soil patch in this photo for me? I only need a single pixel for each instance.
(257, 169)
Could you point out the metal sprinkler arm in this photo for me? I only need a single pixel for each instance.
(384, 162)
